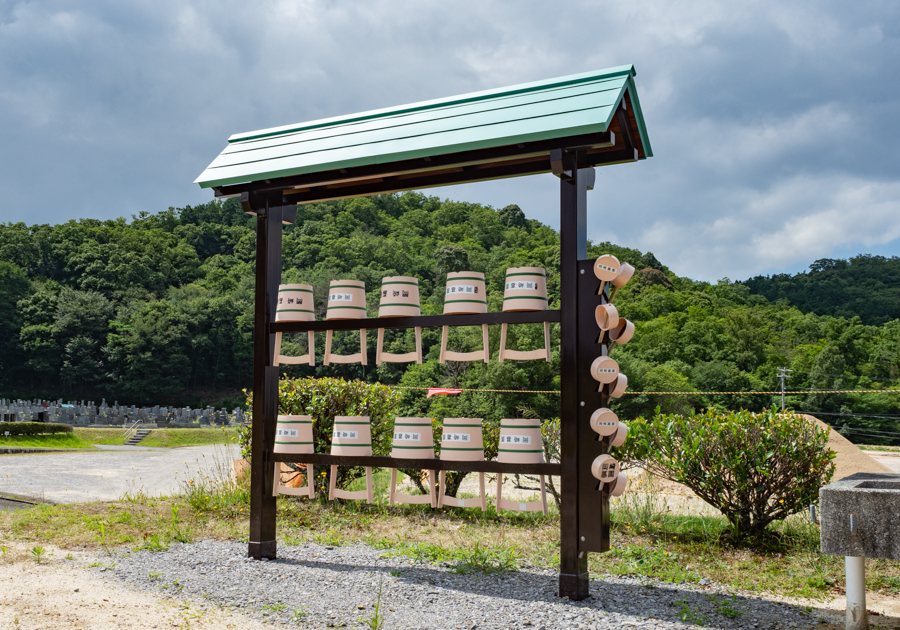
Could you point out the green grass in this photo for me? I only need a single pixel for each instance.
(100, 436)
(874, 447)
(55, 440)
(174, 438)
(169, 438)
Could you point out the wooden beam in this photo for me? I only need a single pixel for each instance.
(423, 321)
(377, 461)
(514, 168)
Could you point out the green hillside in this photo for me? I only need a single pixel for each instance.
(158, 310)
(864, 286)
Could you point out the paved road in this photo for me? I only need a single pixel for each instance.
(889, 459)
(104, 475)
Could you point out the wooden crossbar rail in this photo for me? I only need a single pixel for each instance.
(376, 461)
(424, 321)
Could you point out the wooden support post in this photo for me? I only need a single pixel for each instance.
(573, 577)
(265, 382)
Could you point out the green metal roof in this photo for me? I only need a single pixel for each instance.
(543, 110)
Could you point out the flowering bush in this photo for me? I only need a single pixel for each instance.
(754, 468)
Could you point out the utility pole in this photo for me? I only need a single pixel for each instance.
(782, 374)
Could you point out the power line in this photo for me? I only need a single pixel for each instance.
(896, 436)
(873, 431)
(850, 415)
(879, 380)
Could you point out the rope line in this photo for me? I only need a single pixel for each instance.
(556, 391)
(786, 392)
(496, 391)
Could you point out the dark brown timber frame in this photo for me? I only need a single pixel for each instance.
(584, 513)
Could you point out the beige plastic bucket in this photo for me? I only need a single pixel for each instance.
(295, 303)
(399, 297)
(413, 439)
(525, 289)
(352, 436)
(462, 440)
(465, 293)
(346, 300)
(520, 442)
(294, 434)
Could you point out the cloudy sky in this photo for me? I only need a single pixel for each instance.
(774, 124)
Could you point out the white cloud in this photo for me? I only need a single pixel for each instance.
(771, 122)
(794, 223)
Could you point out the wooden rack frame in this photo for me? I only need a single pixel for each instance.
(584, 510)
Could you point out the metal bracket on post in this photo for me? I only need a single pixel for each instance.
(563, 164)
(593, 513)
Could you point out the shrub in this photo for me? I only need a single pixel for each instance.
(33, 428)
(325, 398)
(754, 468)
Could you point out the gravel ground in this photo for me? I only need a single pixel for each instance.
(313, 586)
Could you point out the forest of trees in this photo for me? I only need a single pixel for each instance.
(867, 286)
(159, 310)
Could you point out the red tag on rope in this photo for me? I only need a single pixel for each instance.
(437, 391)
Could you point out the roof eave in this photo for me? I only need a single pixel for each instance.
(407, 155)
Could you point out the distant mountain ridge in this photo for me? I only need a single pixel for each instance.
(864, 285)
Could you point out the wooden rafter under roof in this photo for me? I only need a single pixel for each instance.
(507, 132)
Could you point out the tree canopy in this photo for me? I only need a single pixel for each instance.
(864, 286)
(159, 310)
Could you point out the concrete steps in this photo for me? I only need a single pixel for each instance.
(138, 436)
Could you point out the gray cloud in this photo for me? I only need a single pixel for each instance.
(773, 124)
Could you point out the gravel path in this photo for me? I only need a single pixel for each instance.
(105, 475)
(312, 586)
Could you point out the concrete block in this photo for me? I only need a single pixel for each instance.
(874, 501)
